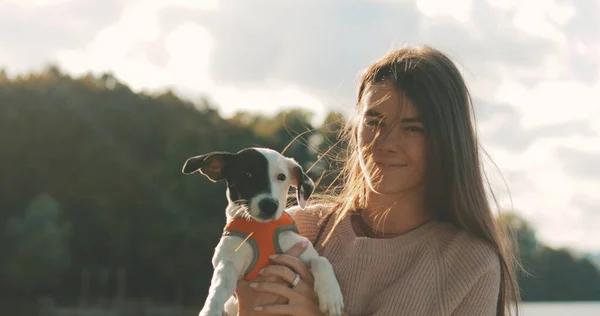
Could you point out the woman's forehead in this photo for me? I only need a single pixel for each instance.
(384, 99)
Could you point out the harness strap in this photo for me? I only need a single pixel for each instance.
(263, 239)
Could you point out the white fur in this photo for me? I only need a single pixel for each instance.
(230, 264)
(281, 164)
(277, 164)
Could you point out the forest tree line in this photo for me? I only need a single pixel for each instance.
(92, 194)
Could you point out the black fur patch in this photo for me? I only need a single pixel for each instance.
(247, 175)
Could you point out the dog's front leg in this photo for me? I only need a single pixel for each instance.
(222, 287)
(326, 286)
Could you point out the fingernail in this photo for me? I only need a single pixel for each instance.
(272, 256)
(258, 308)
(261, 271)
(253, 284)
(305, 244)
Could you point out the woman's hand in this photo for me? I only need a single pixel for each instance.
(249, 297)
(302, 299)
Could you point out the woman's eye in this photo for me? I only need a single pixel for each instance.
(281, 177)
(413, 129)
(373, 123)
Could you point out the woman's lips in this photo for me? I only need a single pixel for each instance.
(389, 165)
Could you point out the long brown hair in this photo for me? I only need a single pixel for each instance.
(455, 178)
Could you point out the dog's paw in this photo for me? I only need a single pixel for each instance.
(330, 297)
(210, 312)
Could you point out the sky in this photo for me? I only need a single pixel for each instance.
(533, 68)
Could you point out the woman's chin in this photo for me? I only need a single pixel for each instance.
(383, 188)
(390, 188)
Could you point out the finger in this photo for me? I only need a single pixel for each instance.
(247, 295)
(287, 275)
(279, 271)
(271, 278)
(288, 309)
(244, 285)
(241, 283)
(295, 264)
(276, 288)
(298, 249)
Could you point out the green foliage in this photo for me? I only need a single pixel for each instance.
(40, 245)
(551, 274)
(112, 160)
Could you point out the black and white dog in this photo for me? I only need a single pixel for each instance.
(258, 180)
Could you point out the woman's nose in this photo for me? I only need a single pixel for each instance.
(389, 141)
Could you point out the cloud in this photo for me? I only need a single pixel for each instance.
(33, 32)
(582, 217)
(321, 46)
(489, 41)
(583, 29)
(144, 52)
(581, 163)
(551, 101)
(502, 125)
(590, 210)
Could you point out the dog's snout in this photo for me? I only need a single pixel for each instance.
(268, 207)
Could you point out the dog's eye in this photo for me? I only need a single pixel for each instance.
(248, 174)
(281, 177)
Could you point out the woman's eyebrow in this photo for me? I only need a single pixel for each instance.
(415, 119)
(373, 113)
(412, 119)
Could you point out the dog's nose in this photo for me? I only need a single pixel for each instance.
(268, 207)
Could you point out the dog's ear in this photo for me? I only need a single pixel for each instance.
(302, 182)
(212, 165)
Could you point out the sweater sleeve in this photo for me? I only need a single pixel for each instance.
(482, 298)
(307, 220)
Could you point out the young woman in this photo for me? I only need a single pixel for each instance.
(411, 231)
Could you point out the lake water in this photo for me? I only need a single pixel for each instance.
(561, 309)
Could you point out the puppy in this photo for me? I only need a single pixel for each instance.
(257, 181)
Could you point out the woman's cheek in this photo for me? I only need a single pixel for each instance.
(365, 137)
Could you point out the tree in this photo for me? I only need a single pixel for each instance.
(526, 240)
(551, 274)
(40, 246)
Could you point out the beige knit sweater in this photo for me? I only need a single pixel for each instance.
(435, 269)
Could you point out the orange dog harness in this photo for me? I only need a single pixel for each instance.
(263, 237)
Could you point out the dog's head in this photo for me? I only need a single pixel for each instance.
(257, 179)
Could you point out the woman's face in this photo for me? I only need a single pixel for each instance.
(391, 141)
